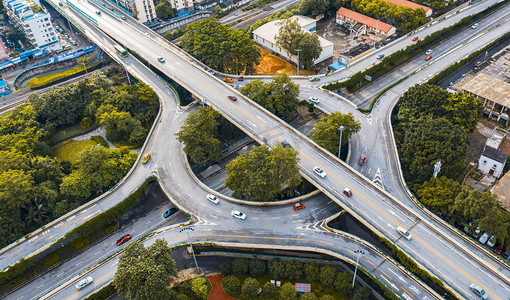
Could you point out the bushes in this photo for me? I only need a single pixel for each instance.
(100, 140)
(231, 285)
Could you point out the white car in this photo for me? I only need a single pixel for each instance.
(314, 100)
(429, 52)
(404, 232)
(478, 291)
(319, 171)
(238, 214)
(492, 241)
(161, 59)
(474, 26)
(84, 282)
(213, 199)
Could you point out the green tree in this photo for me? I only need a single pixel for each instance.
(291, 37)
(144, 273)
(361, 293)
(164, 11)
(327, 275)
(437, 194)
(326, 134)
(308, 296)
(198, 135)
(464, 110)
(311, 270)
(287, 292)
(471, 205)
(313, 7)
(343, 282)
(280, 96)
(257, 267)
(231, 285)
(497, 223)
(199, 287)
(221, 48)
(327, 297)
(429, 141)
(276, 268)
(261, 173)
(240, 266)
(293, 269)
(250, 288)
(269, 291)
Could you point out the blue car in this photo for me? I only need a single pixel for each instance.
(170, 212)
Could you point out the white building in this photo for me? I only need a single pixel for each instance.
(32, 19)
(359, 24)
(142, 10)
(492, 160)
(266, 34)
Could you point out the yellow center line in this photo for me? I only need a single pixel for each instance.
(101, 278)
(387, 153)
(406, 291)
(269, 237)
(295, 239)
(400, 194)
(327, 243)
(15, 252)
(179, 238)
(41, 237)
(387, 275)
(370, 262)
(73, 296)
(208, 235)
(240, 236)
(308, 158)
(350, 251)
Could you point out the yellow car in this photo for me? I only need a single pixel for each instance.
(228, 79)
(146, 158)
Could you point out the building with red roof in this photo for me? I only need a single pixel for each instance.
(360, 24)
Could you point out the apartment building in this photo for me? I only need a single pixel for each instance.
(33, 20)
(181, 5)
(142, 10)
(359, 24)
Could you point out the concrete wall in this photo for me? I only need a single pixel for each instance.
(177, 24)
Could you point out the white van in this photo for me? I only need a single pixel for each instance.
(404, 232)
(484, 238)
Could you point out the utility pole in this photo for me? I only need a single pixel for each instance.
(376, 27)
(191, 246)
(341, 128)
(298, 50)
(359, 253)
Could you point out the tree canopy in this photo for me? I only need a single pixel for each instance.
(164, 11)
(262, 173)
(221, 48)
(402, 17)
(313, 7)
(326, 134)
(438, 194)
(280, 96)
(144, 272)
(429, 141)
(291, 37)
(198, 134)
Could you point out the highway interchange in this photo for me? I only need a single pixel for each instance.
(457, 269)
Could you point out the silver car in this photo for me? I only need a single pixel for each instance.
(84, 282)
(213, 199)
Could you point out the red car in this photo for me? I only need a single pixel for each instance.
(415, 38)
(347, 192)
(123, 239)
(299, 206)
(362, 159)
(241, 78)
(233, 98)
(499, 249)
(429, 57)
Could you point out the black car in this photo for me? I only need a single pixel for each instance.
(170, 212)
(286, 144)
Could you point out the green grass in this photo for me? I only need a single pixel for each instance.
(68, 150)
(45, 79)
(317, 288)
(72, 130)
(127, 145)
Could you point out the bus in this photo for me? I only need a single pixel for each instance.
(121, 51)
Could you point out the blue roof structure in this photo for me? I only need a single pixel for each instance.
(336, 66)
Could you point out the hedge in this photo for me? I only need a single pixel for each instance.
(79, 238)
(105, 292)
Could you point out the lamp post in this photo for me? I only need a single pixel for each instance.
(376, 27)
(298, 50)
(359, 253)
(341, 128)
(191, 246)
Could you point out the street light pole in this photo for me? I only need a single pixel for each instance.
(376, 27)
(191, 246)
(298, 50)
(359, 253)
(341, 128)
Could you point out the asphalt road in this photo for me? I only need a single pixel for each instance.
(258, 124)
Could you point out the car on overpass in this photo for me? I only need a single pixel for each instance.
(233, 98)
(319, 172)
(123, 239)
(348, 192)
(415, 38)
(84, 282)
(478, 291)
(314, 100)
(161, 59)
(146, 158)
(429, 57)
(404, 232)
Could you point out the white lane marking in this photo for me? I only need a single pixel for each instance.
(96, 253)
(40, 286)
(315, 209)
(275, 218)
(297, 221)
(261, 119)
(148, 223)
(91, 215)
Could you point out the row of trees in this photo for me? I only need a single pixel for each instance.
(275, 268)
(221, 48)
(36, 188)
(431, 125)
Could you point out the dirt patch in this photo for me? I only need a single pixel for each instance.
(271, 64)
(217, 292)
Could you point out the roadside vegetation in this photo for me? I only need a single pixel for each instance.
(35, 187)
(291, 37)
(221, 48)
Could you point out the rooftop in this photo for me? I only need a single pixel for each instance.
(360, 18)
(496, 138)
(495, 154)
(489, 88)
(502, 190)
(409, 4)
(269, 30)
